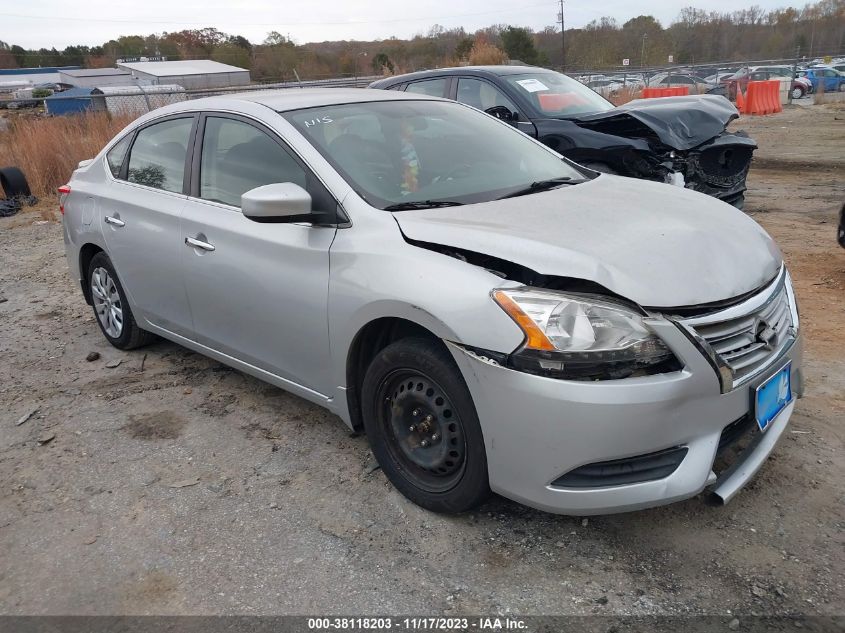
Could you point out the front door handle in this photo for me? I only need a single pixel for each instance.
(114, 221)
(192, 241)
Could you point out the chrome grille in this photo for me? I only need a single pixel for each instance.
(750, 336)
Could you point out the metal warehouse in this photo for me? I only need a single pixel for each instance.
(96, 77)
(23, 77)
(192, 74)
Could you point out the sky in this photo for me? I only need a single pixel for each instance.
(60, 23)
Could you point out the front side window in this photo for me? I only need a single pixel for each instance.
(556, 94)
(482, 95)
(396, 152)
(237, 157)
(157, 158)
(430, 87)
(116, 154)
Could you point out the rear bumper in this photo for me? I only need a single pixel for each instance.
(537, 429)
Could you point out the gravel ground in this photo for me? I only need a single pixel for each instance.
(170, 484)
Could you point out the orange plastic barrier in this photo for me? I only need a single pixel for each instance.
(740, 99)
(763, 97)
(677, 91)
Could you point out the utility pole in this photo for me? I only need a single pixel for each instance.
(642, 51)
(562, 39)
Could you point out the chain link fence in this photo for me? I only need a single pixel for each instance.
(623, 82)
(617, 83)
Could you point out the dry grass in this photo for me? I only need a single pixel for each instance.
(624, 95)
(47, 150)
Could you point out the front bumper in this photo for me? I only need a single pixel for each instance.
(537, 429)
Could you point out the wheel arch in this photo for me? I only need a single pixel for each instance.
(86, 254)
(369, 340)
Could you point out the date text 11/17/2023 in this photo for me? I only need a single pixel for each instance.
(492, 623)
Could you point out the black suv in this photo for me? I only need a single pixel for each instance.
(679, 140)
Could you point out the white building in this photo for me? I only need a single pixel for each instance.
(96, 77)
(193, 74)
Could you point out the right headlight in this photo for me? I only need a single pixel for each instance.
(579, 336)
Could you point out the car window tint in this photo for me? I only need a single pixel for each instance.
(157, 158)
(116, 155)
(482, 95)
(237, 157)
(431, 87)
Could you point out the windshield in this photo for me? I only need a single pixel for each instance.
(403, 152)
(558, 95)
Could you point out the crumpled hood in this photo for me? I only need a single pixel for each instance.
(657, 245)
(679, 122)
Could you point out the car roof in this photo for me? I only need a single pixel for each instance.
(460, 70)
(286, 99)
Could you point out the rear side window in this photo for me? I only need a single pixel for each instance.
(431, 87)
(116, 155)
(157, 158)
(237, 157)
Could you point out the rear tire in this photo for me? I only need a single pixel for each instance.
(111, 309)
(423, 428)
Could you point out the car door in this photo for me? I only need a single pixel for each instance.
(140, 210)
(484, 95)
(258, 291)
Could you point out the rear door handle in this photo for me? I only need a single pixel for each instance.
(192, 241)
(114, 221)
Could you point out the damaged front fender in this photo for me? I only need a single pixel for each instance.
(679, 140)
(680, 123)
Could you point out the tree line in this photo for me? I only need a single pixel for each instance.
(694, 37)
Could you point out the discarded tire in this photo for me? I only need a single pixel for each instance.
(16, 189)
(9, 207)
(14, 183)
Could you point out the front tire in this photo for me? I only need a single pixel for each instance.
(797, 93)
(423, 428)
(111, 309)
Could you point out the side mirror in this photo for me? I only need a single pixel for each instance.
(503, 113)
(282, 202)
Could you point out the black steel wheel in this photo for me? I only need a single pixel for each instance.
(423, 428)
(425, 432)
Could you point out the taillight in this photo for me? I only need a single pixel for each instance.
(64, 190)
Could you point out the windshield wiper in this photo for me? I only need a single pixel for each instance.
(422, 204)
(542, 185)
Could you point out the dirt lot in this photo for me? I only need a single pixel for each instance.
(173, 484)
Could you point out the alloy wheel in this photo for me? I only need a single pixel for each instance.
(107, 302)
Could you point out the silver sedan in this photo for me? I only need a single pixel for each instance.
(493, 316)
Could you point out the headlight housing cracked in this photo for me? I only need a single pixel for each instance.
(581, 337)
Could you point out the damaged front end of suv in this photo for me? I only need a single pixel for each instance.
(678, 140)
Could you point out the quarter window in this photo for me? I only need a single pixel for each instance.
(431, 87)
(157, 158)
(116, 155)
(237, 157)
